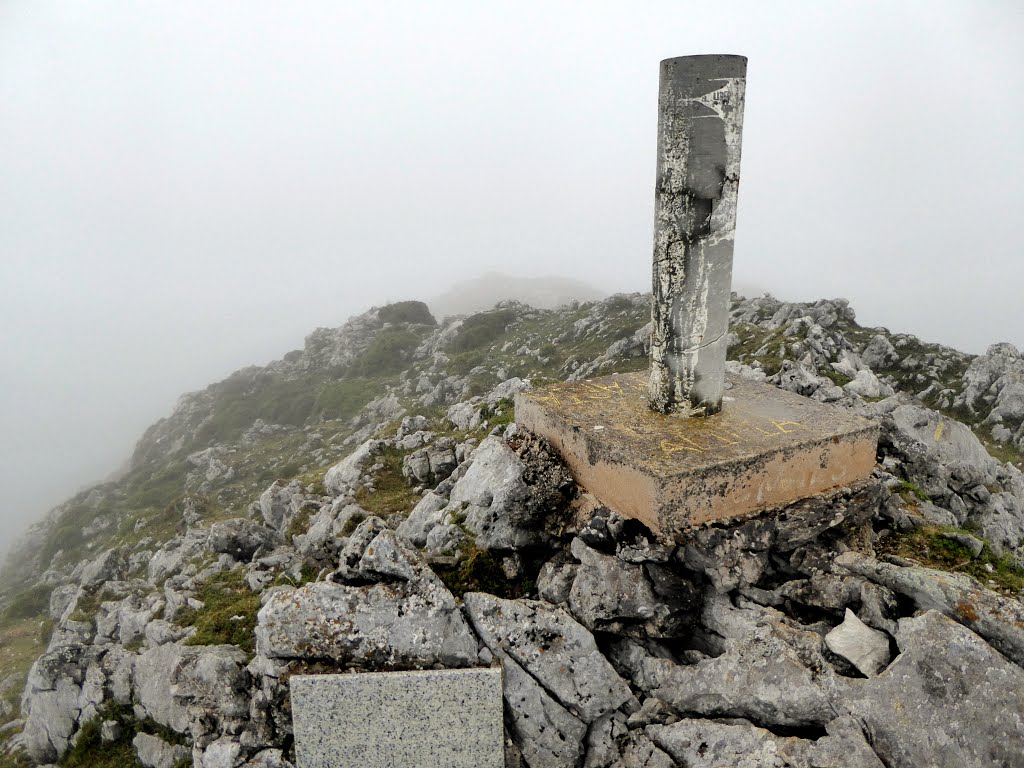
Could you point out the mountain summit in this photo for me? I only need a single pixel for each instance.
(368, 503)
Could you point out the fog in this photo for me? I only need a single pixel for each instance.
(190, 187)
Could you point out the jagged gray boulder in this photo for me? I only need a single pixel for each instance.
(770, 673)
(508, 492)
(397, 623)
(998, 619)
(64, 688)
(948, 700)
(347, 473)
(154, 752)
(107, 566)
(710, 744)
(547, 734)
(178, 685)
(553, 648)
(239, 538)
(427, 513)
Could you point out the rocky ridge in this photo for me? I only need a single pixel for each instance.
(367, 503)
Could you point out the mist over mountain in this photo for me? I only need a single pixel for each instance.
(482, 293)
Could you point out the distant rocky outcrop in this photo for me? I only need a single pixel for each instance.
(482, 293)
(368, 503)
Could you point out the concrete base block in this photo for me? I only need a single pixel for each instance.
(767, 448)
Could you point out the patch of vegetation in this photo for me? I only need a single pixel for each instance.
(145, 488)
(407, 312)
(21, 643)
(344, 398)
(759, 345)
(502, 415)
(908, 489)
(839, 379)
(352, 523)
(1003, 452)
(228, 614)
(929, 547)
(31, 602)
(479, 571)
(17, 760)
(90, 751)
(300, 523)
(391, 492)
(273, 398)
(87, 605)
(387, 354)
(480, 329)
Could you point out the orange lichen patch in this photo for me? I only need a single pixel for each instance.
(767, 448)
(967, 610)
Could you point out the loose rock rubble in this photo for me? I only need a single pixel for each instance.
(794, 638)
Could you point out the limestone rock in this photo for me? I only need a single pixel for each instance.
(154, 752)
(172, 679)
(347, 473)
(506, 493)
(64, 688)
(948, 700)
(222, 753)
(545, 732)
(710, 744)
(553, 648)
(427, 513)
(997, 619)
(867, 385)
(239, 538)
(268, 758)
(106, 566)
(867, 649)
(763, 675)
(385, 625)
(607, 590)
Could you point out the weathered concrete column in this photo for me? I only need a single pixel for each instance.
(700, 124)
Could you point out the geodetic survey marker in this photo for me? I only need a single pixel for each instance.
(684, 445)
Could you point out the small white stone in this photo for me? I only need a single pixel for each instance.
(866, 648)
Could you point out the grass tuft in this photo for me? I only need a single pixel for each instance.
(228, 615)
(930, 548)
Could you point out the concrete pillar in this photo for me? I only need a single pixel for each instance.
(700, 124)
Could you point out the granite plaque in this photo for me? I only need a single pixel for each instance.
(448, 718)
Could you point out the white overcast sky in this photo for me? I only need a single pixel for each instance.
(190, 187)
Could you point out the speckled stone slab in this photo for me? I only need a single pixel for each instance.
(765, 449)
(448, 718)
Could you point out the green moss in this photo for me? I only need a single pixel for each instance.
(300, 523)
(352, 523)
(837, 378)
(479, 571)
(391, 492)
(88, 605)
(228, 614)
(1003, 452)
(759, 345)
(502, 415)
(407, 312)
(932, 549)
(89, 750)
(17, 760)
(909, 491)
(273, 398)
